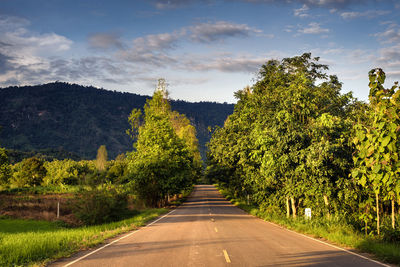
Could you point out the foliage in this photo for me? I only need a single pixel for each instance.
(101, 158)
(286, 143)
(377, 141)
(29, 172)
(102, 204)
(69, 172)
(5, 168)
(55, 117)
(163, 163)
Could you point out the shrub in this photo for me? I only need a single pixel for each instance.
(5, 168)
(29, 172)
(102, 204)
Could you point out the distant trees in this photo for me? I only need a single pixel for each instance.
(60, 116)
(166, 158)
(29, 172)
(5, 168)
(101, 158)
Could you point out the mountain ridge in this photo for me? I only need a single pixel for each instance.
(79, 119)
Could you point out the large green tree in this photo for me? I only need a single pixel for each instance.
(285, 143)
(163, 162)
(377, 141)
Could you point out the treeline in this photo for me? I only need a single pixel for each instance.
(295, 142)
(165, 161)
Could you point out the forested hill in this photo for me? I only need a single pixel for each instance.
(79, 119)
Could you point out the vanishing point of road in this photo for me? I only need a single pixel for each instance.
(207, 230)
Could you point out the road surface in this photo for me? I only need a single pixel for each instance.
(208, 230)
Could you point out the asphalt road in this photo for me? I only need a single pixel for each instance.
(208, 230)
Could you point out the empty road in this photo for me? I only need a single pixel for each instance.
(208, 230)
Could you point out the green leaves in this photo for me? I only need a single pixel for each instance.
(287, 136)
(385, 141)
(166, 159)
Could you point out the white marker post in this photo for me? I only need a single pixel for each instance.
(307, 213)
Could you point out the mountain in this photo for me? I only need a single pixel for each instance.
(78, 119)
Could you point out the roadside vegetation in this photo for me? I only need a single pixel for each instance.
(85, 202)
(295, 141)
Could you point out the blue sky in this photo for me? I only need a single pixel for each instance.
(205, 49)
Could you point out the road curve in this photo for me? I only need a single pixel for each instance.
(208, 230)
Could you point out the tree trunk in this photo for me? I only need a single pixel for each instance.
(393, 221)
(328, 215)
(377, 212)
(398, 203)
(293, 207)
(287, 207)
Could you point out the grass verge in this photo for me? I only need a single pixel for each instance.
(335, 230)
(30, 243)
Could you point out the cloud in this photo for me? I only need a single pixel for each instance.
(157, 42)
(389, 60)
(211, 32)
(390, 35)
(27, 57)
(25, 54)
(104, 41)
(225, 63)
(172, 4)
(367, 14)
(313, 28)
(330, 4)
(301, 12)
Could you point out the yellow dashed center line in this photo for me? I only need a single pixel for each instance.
(228, 260)
(216, 230)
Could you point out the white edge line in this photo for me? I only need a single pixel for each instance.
(125, 236)
(320, 241)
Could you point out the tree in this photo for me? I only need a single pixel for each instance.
(29, 172)
(101, 159)
(162, 163)
(285, 139)
(377, 141)
(5, 168)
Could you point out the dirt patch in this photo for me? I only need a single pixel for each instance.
(38, 207)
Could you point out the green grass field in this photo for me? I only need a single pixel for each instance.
(29, 242)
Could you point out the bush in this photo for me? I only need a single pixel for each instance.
(100, 205)
(29, 172)
(5, 168)
(391, 235)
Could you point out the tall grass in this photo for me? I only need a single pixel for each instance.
(28, 242)
(335, 230)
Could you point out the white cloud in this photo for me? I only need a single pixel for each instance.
(302, 12)
(225, 62)
(105, 40)
(157, 42)
(390, 35)
(313, 28)
(211, 32)
(25, 54)
(367, 14)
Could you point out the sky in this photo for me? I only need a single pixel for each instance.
(205, 49)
